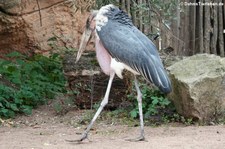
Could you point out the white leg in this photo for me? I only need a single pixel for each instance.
(139, 99)
(103, 103)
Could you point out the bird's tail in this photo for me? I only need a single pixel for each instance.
(158, 76)
(163, 82)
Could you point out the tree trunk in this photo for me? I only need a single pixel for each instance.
(220, 31)
(128, 7)
(200, 28)
(140, 16)
(187, 31)
(176, 45)
(134, 13)
(207, 28)
(215, 30)
(192, 14)
(122, 2)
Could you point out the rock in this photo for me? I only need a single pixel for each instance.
(30, 27)
(90, 72)
(199, 87)
(88, 83)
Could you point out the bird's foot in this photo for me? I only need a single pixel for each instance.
(140, 138)
(83, 137)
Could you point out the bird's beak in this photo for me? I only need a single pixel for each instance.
(84, 41)
(90, 27)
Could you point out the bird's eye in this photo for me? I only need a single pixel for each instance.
(112, 9)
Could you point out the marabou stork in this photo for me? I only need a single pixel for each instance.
(120, 45)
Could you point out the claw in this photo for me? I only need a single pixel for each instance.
(83, 137)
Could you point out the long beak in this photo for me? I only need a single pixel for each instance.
(84, 41)
(87, 34)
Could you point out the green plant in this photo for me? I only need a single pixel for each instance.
(63, 104)
(153, 102)
(28, 81)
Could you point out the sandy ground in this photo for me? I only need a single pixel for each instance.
(46, 131)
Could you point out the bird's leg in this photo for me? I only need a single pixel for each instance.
(139, 99)
(103, 103)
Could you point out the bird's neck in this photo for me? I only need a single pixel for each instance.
(121, 17)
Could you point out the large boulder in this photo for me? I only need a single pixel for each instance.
(199, 87)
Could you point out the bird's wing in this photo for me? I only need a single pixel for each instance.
(130, 46)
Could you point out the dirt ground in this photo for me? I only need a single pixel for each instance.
(46, 130)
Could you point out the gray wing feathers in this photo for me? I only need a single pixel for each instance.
(132, 47)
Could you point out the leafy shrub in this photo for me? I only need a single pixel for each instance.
(26, 82)
(153, 102)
